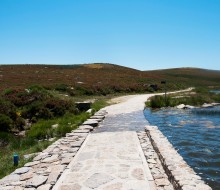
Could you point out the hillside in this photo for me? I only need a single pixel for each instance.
(101, 78)
(189, 76)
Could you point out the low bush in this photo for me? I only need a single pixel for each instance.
(7, 108)
(159, 101)
(6, 123)
(202, 96)
(5, 138)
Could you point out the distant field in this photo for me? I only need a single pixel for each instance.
(102, 77)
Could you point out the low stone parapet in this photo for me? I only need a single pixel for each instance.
(47, 166)
(180, 174)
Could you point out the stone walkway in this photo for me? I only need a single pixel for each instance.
(111, 158)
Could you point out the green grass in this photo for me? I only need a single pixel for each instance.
(44, 130)
(201, 96)
(99, 104)
(21, 147)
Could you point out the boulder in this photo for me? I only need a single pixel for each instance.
(181, 106)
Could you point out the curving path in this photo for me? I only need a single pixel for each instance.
(111, 158)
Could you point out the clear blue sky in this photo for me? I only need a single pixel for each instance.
(142, 34)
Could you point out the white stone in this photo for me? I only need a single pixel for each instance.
(21, 170)
(44, 187)
(181, 106)
(36, 181)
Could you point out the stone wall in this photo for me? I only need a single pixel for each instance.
(46, 168)
(178, 171)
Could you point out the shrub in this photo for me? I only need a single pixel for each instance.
(6, 123)
(5, 138)
(157, 102)
(7, 108)
(32, 109)
(61, 87)
(19, 123)
(59, 107)
(7, 91)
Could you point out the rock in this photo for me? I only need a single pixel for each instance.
(21, 170)
(57, 168)
(36, 181)
(53, 177)
(44, 187)
(55, 126)
(92, 123)
(81, 131)
(11, 188)
(82, 127)
(26, 176)
(41, 156)
(152, 161)
(22, 133)
(29, 164)
(73, 150)
(98, 117)
(51, 159)
(68, 155)
(97, 180)
(66, 161)
(72, 135)
(181, 106)
(162, 182)
(10, 178)
(51, 139)
(188, 107)
(76, 144)
(89, 111)
(28, 156)
(215, 104)
(205, 105)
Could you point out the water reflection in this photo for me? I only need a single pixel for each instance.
(196, 135)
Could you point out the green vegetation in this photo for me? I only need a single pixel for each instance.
(198, 98)
(43, 114)
(97, 105)
(21, 146)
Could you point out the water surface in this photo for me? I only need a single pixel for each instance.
(196, 136)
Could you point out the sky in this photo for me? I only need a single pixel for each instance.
(141, 34)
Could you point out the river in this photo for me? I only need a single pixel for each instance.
(195, 134)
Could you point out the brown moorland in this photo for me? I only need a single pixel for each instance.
(101, 77)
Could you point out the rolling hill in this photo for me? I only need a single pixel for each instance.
(102, 78)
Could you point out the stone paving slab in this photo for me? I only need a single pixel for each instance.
(108, 160)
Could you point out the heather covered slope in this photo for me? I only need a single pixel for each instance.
(189, 76)
(102, 78)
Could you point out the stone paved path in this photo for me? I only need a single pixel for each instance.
(111, 158)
